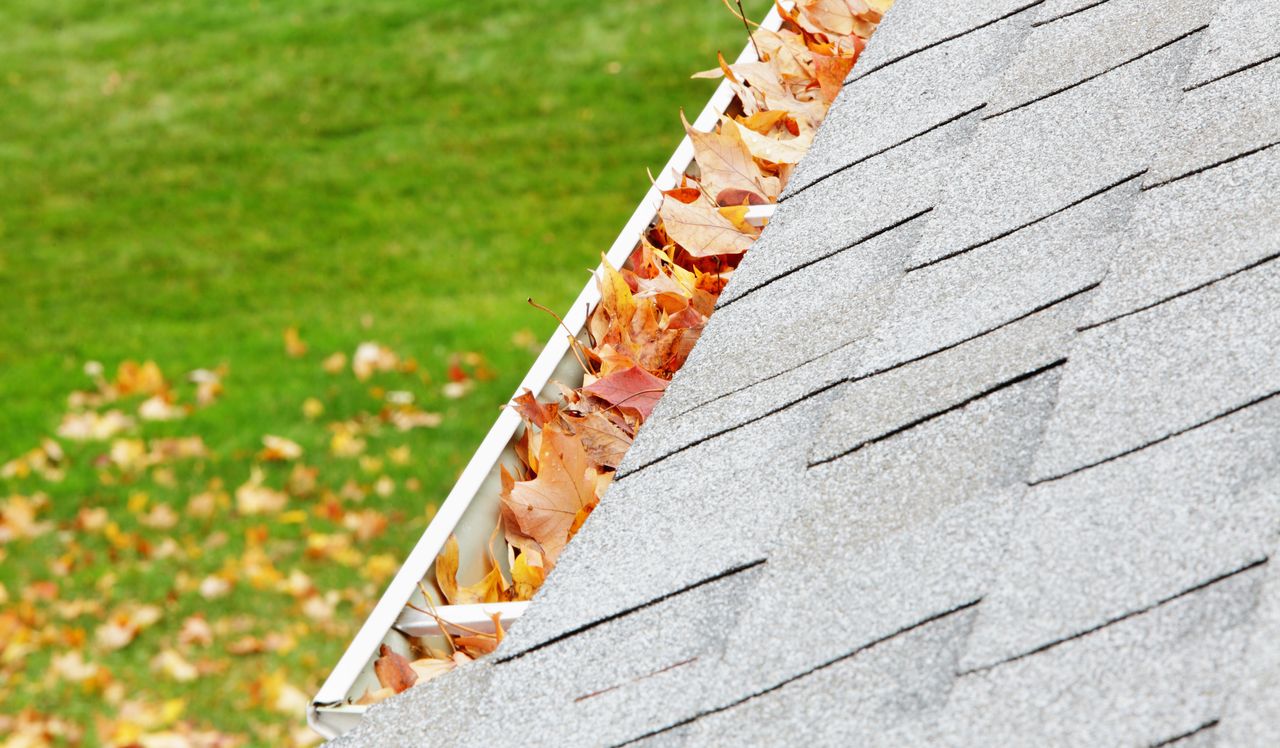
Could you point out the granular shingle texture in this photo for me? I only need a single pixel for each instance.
(983, 444)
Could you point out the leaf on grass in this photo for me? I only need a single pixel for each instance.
(294, 347)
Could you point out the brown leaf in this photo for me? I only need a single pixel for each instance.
(393, 670)
(605, 442)
(735, 196)
(725, 162)
(701, 230)
(533, 411)
(544, 508)
(632, 388)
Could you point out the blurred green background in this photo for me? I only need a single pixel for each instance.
(181, 180)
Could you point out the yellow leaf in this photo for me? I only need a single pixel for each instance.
(447, 570)
(527, 574)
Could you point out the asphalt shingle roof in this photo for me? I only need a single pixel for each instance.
(982, 446)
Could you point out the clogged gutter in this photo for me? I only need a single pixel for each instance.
(650, 314)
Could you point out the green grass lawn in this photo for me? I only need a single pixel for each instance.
(182, 180)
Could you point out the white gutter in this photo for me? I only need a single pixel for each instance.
(332, 712)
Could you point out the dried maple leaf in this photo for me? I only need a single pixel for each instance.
(605, 441)
(545, 508)
(533, 411)
(724, 162)
(393, 670)
(700, 229)
(831, 72)
(632, 388)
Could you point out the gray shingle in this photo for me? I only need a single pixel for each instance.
(649, 535)
(1219, 121)
(1043, 158)
(867, 200)
(796, 319)
(1051, 11)
(923, 92)
(1206, 501)
(1085, 45)
(1252, 716)
(1192, 232)
(873, 407)
(1136, 682)
(625, 677)
(915, 25)
(1144, 377)
(892, 534)
(444, 708)
(870, 693)
(666, 435)
(1243, 33)
(951, 301)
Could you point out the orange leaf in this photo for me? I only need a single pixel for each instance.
(683, 194)
(544, 508)
(763, 122)
(831, 72)
(632, 388)
(533, 411)
(393, 670)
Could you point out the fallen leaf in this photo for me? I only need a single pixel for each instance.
(393, 670)
(279, 449)
(294, 347)
(371, 358)
(91, 426)
(724, 162)
(546, 507)
(254, 498)
(700, 229)
(831, 72)
(632, 388)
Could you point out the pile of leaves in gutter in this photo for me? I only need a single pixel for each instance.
(650, 314)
